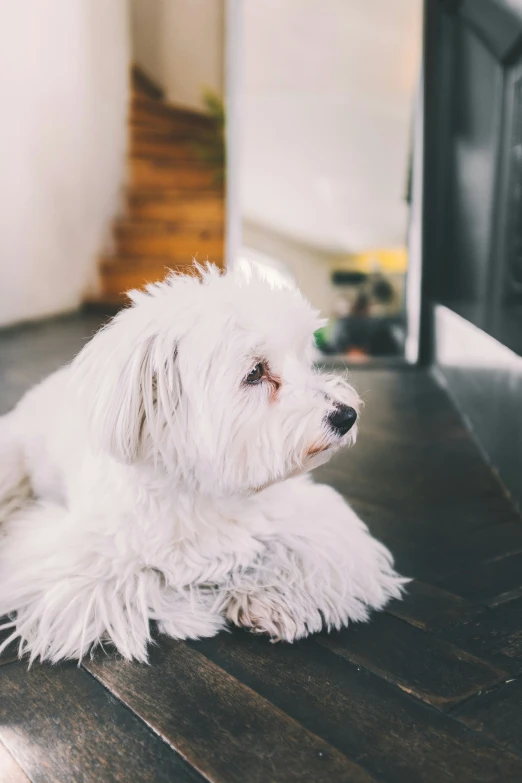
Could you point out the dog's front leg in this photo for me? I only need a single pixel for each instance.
(321, 569)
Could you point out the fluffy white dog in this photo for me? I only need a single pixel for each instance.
(158, 478)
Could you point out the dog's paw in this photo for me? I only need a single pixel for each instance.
(267, 612)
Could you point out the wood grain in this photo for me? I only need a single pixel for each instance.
(145, 143)
(495, 636)
(161, 173)
(491, 583)
(222, 727)
(498, 715)
(433, 671)
(394, 736)
(426, 545)
(426, 415)
(144, 106)
(175, 239)
(429, 607)
(63, 727)
(375, 702)
(169, 204)
(414, 477)
(174, 205)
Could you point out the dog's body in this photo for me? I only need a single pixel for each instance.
(157, 478)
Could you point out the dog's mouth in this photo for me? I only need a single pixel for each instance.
(315, 450)
(347, 439)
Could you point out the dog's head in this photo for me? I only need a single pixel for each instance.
(211, 380)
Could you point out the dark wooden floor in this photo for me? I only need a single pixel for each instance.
(429, 691)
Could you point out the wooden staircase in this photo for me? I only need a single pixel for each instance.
(174, 201)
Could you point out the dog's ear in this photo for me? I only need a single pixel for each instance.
(125, 382)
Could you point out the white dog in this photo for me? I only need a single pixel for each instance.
(157, 478)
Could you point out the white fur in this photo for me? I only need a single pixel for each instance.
(148, 482)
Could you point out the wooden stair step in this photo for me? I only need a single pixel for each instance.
(202, 206)
(161, 173)
(150, 145)
(177, 130)
(172, 239)
(168, 228)
(171, 121)
(175, 204)
(167, 125)
(138, 91)
(165, 136)
(142, 85)
(145, 143)
(158, 108)
(119, 263)
(168, 133)
(120, 274)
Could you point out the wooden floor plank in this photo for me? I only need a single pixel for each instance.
(407, 407)
(413, 449)
(224, 729)
(10, 771)
(30, 352)
(497, 714)
(63, 727)
(495, 636)
(408, 477)
(430, 552)
(240, 708)
(428, 607)
(433, 671)
(395, 737)
(491, 583)
(463, 517)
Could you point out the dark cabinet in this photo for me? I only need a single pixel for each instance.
(473, 164)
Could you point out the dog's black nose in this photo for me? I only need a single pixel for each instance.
(342, 419)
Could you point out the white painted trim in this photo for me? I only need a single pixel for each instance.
(460, 343)
(234, 71)
(414, 274)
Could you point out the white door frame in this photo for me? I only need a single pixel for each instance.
(234, 71)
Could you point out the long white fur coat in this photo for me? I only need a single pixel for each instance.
(160, 477)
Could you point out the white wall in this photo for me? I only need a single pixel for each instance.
(311, 268)
(180, 45)
(147, 37)
(326, 115)
(63, 91)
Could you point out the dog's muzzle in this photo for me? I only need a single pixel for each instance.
(342, 419)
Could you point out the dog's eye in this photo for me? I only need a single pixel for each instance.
(256, 373)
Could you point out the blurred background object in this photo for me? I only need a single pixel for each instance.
(173, 202)
(327, 104)
(112, 148)
(115, 165)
